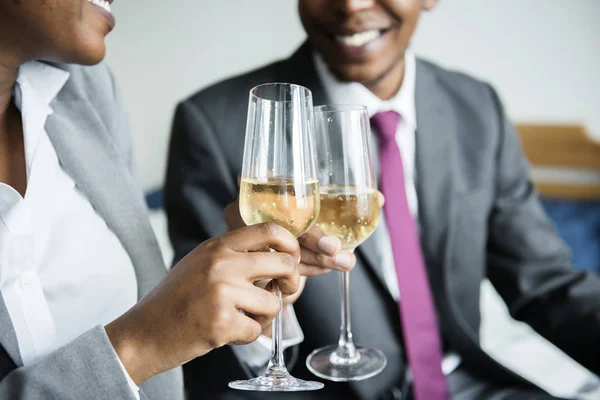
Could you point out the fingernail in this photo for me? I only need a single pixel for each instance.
(344, 260)
(329, 244)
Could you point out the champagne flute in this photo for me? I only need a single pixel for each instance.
(349, 211)
(279, 184)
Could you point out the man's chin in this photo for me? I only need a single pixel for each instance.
(364, 74)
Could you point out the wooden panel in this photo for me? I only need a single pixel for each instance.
(559, 146)
(562, 146)
(566, 191)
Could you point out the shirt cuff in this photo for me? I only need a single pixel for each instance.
(134, 388)
(258, 353)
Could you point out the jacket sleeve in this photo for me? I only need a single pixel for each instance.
(529, 264)
(86, 368)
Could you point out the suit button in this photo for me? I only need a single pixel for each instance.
(27, 280)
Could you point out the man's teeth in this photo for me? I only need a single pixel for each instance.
(102, 4)
(359, 39)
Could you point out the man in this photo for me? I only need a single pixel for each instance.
(450, 161)
(76, 249)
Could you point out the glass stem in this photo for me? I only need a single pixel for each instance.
(276, 365)
(346, 351)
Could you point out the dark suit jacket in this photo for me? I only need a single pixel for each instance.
(479, 213)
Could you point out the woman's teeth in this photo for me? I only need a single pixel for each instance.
(359, 39)
(102, 4)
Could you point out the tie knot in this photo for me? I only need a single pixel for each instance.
(385, 124)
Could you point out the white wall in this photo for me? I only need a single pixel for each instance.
(542, 55)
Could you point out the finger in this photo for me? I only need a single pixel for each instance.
(288, 286)
(246, 330)
(292, 298)
(259, 266)
(233, 217)
(256, 301)
(343, 261)
(260, 236)
(319, 242)
(262, 321)
(270, 287)
(381, 199)
(312, 270)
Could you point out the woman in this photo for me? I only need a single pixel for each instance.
(76, 248)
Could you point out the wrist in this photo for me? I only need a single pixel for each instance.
(128, 348)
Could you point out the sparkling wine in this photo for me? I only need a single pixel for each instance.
(347, 214)
(294, 206)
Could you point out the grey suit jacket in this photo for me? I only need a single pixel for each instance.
(90, 133)
(479, 216)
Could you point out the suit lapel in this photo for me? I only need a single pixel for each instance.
(86, 153)
(436, 126)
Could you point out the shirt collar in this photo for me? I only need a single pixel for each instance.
(403, 102)
(41, 80)
(37, 85)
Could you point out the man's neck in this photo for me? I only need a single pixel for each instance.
(389, 84)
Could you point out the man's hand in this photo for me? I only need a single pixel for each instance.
(196, 307)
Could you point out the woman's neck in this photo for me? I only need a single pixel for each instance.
(8, 77)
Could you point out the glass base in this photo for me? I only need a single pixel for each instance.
(366, 364)
(283, 383)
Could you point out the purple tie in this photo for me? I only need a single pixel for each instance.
(419, 325)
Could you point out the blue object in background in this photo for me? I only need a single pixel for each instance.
(578, 223)
(155, 199)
